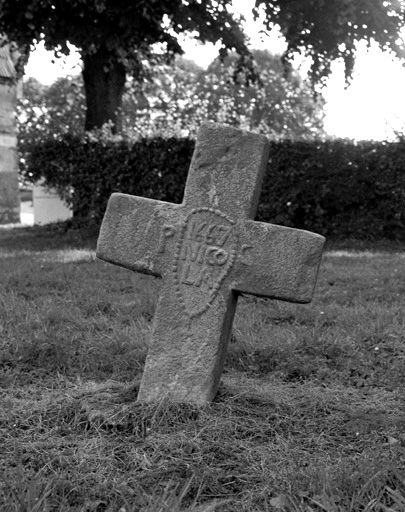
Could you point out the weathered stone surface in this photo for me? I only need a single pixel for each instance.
(8, 101)
(9, 195)
(207, 250)
(9, 203)
(8, 159)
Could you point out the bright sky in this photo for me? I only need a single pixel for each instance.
(373, 107)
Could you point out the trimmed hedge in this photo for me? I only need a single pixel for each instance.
(87, 172)
(336, 188)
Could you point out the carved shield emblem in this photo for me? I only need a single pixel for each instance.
(205, 254)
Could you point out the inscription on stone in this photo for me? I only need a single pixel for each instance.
(207, 250)
(204, 255)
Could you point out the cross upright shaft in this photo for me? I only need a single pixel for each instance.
(207, 250)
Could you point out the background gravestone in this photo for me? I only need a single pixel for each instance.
(9, 195)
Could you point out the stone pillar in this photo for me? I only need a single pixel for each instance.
(9, 194)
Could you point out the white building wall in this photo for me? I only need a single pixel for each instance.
(48, 206)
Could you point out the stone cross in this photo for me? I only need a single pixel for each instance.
(207, 250)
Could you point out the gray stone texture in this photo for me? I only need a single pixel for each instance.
(9, 193)
(8, 101)
(9, 199)
(207, 250)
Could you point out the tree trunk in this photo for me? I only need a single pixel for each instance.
(104, 81)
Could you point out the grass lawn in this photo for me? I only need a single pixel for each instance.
(310, 415)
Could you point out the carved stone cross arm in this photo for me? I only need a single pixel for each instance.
(277, 262)
(270, 261)
(135, 233)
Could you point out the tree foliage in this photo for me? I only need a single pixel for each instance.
(119, 37)
(122, 28)
(326, 30)
(281, 104)
(182, 96)
(323, 30)
(115, 37)
(47, 112)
